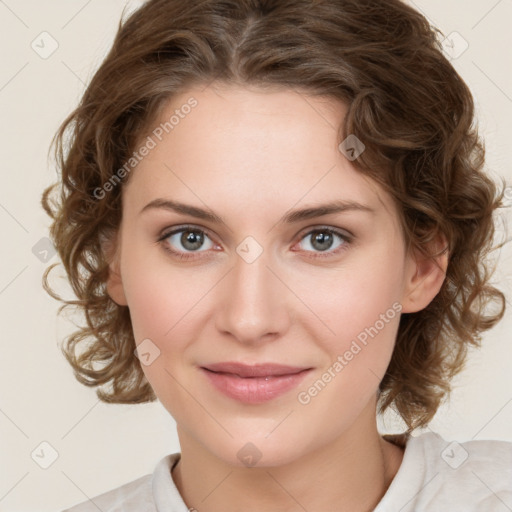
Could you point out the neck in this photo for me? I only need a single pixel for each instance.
(350, 474)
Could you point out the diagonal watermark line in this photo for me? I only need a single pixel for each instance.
(13, 13)
(14, 76)
(416, 494)
(83, 83)
(303, 96)
(73, 72)
(492, 81)
(80, 419)
(501, 409)
(491, 490)
(486, 14)
(14, 423)
(199, 403)
(13, 217)
(216, 487)
(279, 423)
(75, 15)
(88, 498)
(376, 376)
(333, 333)
(205, 294)
(304, 195)
(13, 279)
(206, 206)
(14, 485)
(285, 490)
(431, 20)
(215, 76)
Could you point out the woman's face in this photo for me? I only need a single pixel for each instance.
(286, 256)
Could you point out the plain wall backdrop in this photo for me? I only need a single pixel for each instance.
(50, 51)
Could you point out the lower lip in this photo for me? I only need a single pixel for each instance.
(254, 390)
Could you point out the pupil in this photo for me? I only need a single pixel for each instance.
(322, 238)
(191, 240)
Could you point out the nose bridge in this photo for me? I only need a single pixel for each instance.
(252, 303)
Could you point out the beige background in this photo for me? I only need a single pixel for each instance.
(101, 446)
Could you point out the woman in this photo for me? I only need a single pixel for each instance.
(274, 216)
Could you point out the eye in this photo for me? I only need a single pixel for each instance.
(186, 240)
(325, 240)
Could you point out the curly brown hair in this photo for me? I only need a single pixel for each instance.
(405, 101)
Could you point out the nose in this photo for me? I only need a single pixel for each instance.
(253, 303)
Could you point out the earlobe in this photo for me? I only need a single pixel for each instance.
(424, 277)
(115, 287)
(114, 284)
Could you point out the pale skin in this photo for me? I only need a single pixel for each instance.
(251, 156)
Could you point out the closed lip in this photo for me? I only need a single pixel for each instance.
(255, 370)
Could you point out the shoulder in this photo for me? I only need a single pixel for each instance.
(437, 474)
(465, 461)
(137, 495)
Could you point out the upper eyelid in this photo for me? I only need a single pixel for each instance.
(339, 231)
(306, 231)
(166, 233)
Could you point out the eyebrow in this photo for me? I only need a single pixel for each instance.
(290, 217)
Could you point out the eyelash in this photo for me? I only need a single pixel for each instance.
(191, 255)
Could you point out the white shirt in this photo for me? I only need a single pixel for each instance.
(435, 476)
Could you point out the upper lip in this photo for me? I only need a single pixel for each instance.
(256, 370)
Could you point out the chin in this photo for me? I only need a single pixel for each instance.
(258, 451)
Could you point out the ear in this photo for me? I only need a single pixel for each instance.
(424, 276)
(111, 250)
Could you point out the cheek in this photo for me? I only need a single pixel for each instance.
(361, 313)
(150, 310)
(163, 309)
(360, 299)
(357, 358)
(162, 298)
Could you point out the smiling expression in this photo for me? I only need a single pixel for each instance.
(247, 237)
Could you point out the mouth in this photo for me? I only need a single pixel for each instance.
(253, 384)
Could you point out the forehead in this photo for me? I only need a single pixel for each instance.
(250, 148)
